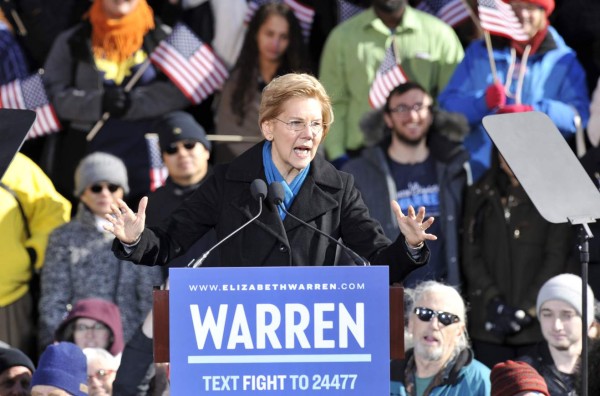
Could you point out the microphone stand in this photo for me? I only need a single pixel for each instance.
(195, 263)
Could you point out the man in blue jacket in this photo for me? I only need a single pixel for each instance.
(440, 362)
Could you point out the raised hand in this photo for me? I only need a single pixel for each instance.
(413, 225)
(126, 225)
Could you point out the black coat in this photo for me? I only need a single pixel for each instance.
(327, 200)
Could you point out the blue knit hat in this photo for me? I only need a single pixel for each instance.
(64, 366)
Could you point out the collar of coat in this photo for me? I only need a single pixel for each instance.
(313, 200)
(404, 370)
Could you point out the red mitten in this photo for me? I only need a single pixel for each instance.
(514, 108)
(495, 96)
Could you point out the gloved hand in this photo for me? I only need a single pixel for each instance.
(503, 320)
(115, 101)
(514, 108)
(495, 96)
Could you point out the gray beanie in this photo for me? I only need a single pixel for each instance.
(567, 288)
(100, 167)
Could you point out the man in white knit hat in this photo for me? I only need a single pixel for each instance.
(559, 310)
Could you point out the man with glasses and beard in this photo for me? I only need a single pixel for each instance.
(417, 159)
(441, 361)
(427, 49)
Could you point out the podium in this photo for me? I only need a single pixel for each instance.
(161, 324)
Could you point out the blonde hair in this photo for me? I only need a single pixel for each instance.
(289, 86)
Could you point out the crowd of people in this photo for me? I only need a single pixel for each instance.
(401, 173)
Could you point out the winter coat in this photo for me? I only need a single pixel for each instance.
(328, 200)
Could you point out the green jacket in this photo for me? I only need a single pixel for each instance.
(429, 51)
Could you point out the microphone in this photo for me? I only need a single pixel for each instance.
(258, 190)
(276, 196)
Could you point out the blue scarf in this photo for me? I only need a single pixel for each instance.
(273, 175)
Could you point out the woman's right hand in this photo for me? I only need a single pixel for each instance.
(127, 226)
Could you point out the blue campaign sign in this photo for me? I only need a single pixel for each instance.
(279, 331)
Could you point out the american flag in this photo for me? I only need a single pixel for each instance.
(303, 13)
(389, 76)
(453, 12)
(158, 171)
(190, 64)
(29, 93)
(347, 10)
(499, 18)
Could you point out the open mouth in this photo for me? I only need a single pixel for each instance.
(431, 340)
(302, 151)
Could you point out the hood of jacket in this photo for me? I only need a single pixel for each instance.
(444, 138)
(100, 310)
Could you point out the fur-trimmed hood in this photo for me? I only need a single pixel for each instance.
(445, 136)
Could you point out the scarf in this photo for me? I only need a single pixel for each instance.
(273, 175)
(534, 42)
(118, 39)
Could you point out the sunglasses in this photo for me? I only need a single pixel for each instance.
(174, 149)
(97, 188)
(426, 315)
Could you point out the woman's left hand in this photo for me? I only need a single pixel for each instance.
(413, 225)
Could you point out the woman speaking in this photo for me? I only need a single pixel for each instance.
(294, 116)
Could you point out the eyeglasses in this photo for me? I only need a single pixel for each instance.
(297, 125)
(95, 327)
(97, 188)
(426, 315)
(174, 149)
(100, 374)
(405, 109)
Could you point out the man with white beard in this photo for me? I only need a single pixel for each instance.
(441, 361)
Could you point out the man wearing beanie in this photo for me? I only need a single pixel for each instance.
(185, 152)
(15, 372)
(62, 366)
(558, 307)
(540, 73)
(515, 379)
(79, 262)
